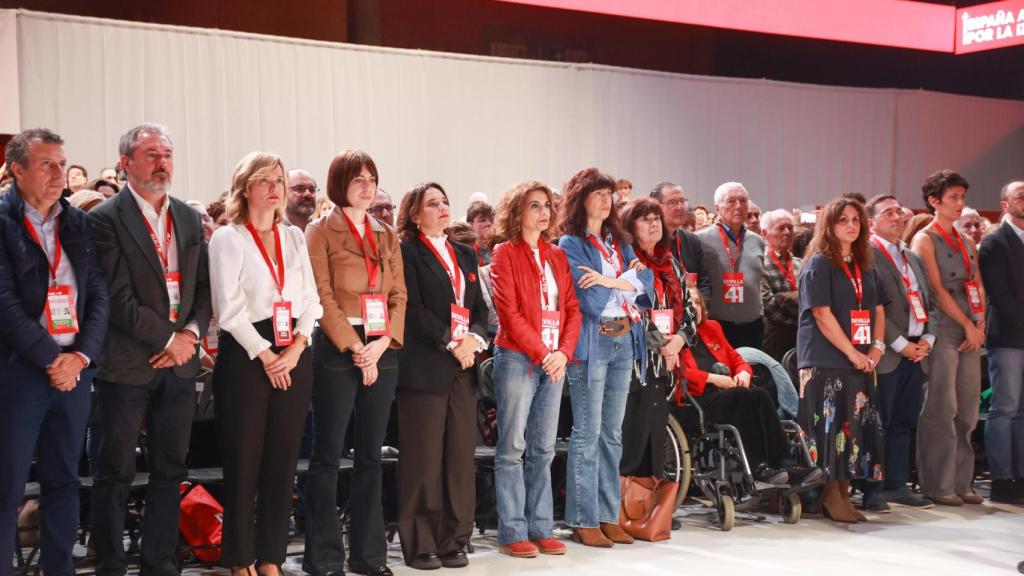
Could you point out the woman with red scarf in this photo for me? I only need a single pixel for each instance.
(670, 326)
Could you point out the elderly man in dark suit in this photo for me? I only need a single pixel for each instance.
(53, 317)
(902, 369)
(153, 250)
(1001, 259)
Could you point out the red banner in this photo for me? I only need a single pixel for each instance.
(989, 26)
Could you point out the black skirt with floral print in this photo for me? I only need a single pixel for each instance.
(841, 423)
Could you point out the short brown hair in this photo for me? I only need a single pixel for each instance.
(640, 208)
(345, 168)
(623, 183)
(411, 205)
(479, 209)
(936, 185)
(249, 167)
(508, 217)
(574, 215)
(462, 233)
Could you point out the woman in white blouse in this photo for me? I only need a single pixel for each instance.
(265, 300)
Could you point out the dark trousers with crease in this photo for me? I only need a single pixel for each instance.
(36, 418)
(900, 396)
(167, 404)
(436, 482)
(338, 393)
(260, 428)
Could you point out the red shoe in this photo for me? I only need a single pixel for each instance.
(521, 549)
(550, 546)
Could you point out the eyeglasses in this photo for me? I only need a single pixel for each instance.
(382, 208)
(675, 203)
(300, 189)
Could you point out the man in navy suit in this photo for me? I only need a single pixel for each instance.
(1001, 259)
(53, 319)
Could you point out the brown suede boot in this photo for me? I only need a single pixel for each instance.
(844, 492)
(615, 533)
(832, 504)
(591, 537)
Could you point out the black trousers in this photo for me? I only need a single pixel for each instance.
(752, 412)
(900, 397)
(643, 430)
(260, 428)
(750, 334)
(167, 404)
(436, 481)
(338, 392)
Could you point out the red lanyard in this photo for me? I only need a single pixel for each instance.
(958, 247)
(279, 275)
(479, 258)
(371, 269)
(540, 272)
(679, 251)
(905, 273)
(56, 247)
(659, 289)
(617, 266)
(858, 284)
(162, 251)
(728, 249)
(454, 275)
(787, 270)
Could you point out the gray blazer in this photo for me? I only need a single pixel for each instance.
(897, 312)
(139, 305)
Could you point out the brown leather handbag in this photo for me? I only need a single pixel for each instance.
(647, 506)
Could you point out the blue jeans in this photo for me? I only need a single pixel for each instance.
(599, 388)
(528, 403)
(1004, 429)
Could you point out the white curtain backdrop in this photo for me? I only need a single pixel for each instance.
(482, 124)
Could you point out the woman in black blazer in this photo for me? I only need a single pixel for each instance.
(445, 330)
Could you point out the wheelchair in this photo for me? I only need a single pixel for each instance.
(711, 457)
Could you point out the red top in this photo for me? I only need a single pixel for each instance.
(515, 291)
(710, 332)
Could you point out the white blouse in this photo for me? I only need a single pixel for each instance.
(552, 286)
(244, 291)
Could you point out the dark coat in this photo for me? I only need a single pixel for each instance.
(1001, 259)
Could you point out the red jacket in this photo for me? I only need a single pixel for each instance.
(710, 332)
(516, 295)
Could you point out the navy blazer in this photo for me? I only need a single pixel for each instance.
(999, 258)
(25, 277)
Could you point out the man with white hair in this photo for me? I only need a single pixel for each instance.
(779, 284)
(733, 258)
(969, 224)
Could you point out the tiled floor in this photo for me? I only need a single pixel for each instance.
(966, 541)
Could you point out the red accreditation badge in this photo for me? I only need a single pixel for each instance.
(61, 317)
(974, 296)
(663, 321)
(173, 280)
(460, 322)
(211, 342)
(550, 329)
(282, 320)
(917, 306)
(375, 314)
(860, 327)
(732, 287)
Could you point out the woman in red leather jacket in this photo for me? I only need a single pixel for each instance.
(719, 380)
(539, 323)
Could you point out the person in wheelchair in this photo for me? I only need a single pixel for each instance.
(720, 381)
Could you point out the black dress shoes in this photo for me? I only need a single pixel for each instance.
(769, 475)
(381, 570)
(456, 559)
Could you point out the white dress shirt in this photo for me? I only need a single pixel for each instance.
(158, 221)
(914, 327)
(46, 230)
(244, 291)
(438, 242)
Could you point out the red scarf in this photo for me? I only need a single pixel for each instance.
(661, 265)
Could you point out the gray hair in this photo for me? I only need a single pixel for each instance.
(17, 147)
(129, 142)
(727, 187)
(771, 217)
(967, 213)
(659, 189)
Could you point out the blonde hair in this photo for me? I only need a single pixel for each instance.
(251, 166)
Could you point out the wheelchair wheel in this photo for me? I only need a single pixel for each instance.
(677, 458)
(726, 512)
(791, 508)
